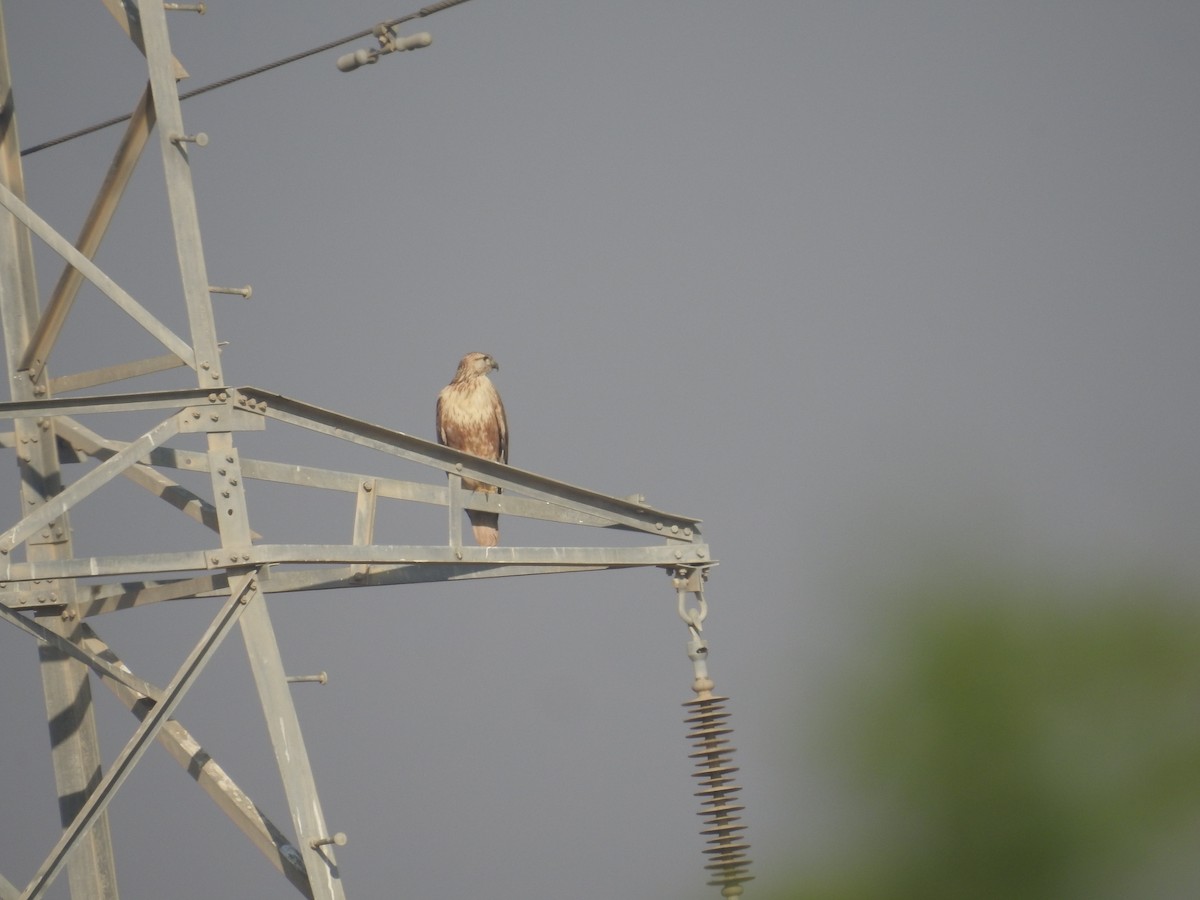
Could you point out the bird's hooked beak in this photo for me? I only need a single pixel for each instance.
(495, 365)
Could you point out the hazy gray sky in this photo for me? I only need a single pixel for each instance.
(838, 278)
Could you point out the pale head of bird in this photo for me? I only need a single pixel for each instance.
(475, 365)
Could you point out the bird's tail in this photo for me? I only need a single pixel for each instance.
(486, 526)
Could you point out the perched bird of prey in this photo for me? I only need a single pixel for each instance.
(470, 417)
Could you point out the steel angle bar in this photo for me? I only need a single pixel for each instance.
(213, 780)
(347, 482)
(385, 488)
(187, 502)
(529, 508)
(176, 458)
(289, 580)
(136, 402)
(66, 689)
(126, 14)
(661, 555)
(86, 485)
(104, 566)
(638, 516)
(98, 219)
(181, 197)
(103, 668)
(96, 276)
(243, 589)
(291, 756)
(365, 505)
(454, 505)
(64, 384)
(97, 599)
(100, 599)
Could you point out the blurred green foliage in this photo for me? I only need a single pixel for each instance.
(1025, 740)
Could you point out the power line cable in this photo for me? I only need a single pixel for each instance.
(391, 23)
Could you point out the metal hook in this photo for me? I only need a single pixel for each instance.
(691, 581)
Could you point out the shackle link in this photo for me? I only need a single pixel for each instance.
(691, 581)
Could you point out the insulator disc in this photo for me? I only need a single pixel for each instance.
(723, 833)
(720, 810)
(724, 828)
(714, 770)
(716, 795)
(712, 755)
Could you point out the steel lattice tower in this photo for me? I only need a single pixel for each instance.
(50, 592)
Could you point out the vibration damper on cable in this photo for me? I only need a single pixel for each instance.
(389, 42)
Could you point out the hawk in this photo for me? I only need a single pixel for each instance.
(470, 417)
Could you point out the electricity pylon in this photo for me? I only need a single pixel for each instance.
(51, 592)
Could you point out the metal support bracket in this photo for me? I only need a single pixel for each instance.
(227, 410)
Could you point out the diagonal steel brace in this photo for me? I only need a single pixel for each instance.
(100, 666)
(86, 485)
(210, 776)
(242, 590)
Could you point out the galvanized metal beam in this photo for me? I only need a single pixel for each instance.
(96, 599)
(180, 194)
(75, 752)
(296, 580)
(98, 219)
(127, 17)
(454, 505)
(101, 667)
(104, 566)
(95, 275)
(611, 557)
(66, 688)
(78, 381)
(187, 502)
(210, 776)
(365, 503)
(85, 486)
(99, 599)
(385, 488)
(244, 590)
(134, 402)
(397, 489)
(291, 755)
(373, 555)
